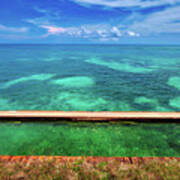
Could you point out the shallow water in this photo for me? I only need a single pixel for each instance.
(90, 139)
(90, 77)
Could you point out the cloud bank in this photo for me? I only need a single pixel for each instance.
(127, 3)
(136, 22)
(167, 21)
(102, 32)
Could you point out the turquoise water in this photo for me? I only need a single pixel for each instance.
(90, 139)
(90, 77)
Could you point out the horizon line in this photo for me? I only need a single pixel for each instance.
(90, 44)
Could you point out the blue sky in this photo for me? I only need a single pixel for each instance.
(90, 21)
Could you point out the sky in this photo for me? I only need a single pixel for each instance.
(90, 21)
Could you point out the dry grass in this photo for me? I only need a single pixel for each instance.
(84, 169)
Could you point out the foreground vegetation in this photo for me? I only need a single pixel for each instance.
(82, 169)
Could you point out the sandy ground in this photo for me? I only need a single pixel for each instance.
(88, 158)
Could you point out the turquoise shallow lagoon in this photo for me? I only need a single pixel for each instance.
(90, 77)
(90, 139)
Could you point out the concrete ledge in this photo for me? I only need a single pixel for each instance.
(90, 116)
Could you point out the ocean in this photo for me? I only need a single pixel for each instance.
(90, 77)
(90, 139)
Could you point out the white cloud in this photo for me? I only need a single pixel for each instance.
(102, 32)
(46, 18)
(116, 31)
(38, 21)
(127, 3)
(164, 21)
(131, 33)
(13, 29)
(40, 10)
(52, 30)
(167, 21)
